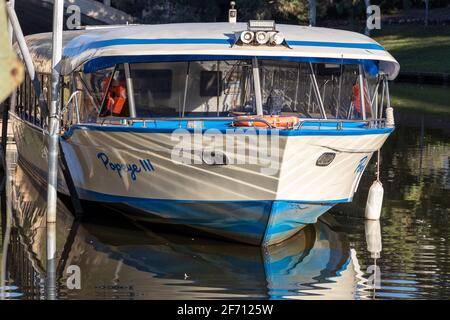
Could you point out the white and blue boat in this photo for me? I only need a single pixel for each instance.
(244, 131)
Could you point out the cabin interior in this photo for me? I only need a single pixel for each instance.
(213, 89)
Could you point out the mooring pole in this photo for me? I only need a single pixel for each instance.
(53, 147)
(7, 104)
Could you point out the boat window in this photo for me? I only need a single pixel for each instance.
(288, 88)
(152, 86)
(88, 100)
(109, 91)
(339, 89)
(223, 88)
(195, 88)
(210, 83)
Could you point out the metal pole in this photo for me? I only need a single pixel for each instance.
(257, 84)
(186, 85)
(26, 57)
(11, 3)
(130, 90)
(361, 92)
(7, 231)
(317, 91)
(382, 99)
(338, 104)
(53, 147)
(7, 105)
(296, 88)
(218, 87)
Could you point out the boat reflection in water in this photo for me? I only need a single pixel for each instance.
(119, 259)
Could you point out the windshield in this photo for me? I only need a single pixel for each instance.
(226, 88)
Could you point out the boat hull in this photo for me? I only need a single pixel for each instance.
(253, 222)
(134, 170)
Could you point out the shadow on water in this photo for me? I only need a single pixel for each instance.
(340, 257)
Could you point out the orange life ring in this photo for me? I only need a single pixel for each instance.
(274, 121)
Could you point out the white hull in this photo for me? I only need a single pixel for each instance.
(298, 192)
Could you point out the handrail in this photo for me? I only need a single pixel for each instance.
(372, 123)
(339, 122)
(144, 120)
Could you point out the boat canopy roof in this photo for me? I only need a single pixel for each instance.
(93, 49)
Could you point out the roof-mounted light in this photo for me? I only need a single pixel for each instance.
(247, 37)
(261, 32)
(262, 37)
(276, 38)
(261, 25)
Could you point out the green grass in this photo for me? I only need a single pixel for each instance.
(417, 48)
(428, 99)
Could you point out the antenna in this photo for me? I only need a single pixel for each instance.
(232, 13)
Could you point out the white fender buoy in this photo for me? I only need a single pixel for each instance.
(374, 201)
(390, 121)
(373, 238)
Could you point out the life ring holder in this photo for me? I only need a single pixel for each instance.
(273, 123)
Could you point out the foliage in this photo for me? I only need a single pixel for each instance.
(418, 49)
(285, 11)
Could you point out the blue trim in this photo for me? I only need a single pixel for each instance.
(109, 61)
(73, 51)
(303, 132)
(104, 197)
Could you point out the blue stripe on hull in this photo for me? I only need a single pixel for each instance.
(254, 222)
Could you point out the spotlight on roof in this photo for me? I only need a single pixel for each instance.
(277, 38)
(260, 32)
(262, 37)
(247, 37)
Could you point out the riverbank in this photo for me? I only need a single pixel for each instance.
(418, 48)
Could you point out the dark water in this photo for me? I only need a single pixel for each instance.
(404, 256)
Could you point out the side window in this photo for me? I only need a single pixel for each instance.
(153, 90)
(88, 106)
(210, 83)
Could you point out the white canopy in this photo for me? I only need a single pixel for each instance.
(103, 47)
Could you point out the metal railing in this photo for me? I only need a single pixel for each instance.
(372, 123)
(129, 121)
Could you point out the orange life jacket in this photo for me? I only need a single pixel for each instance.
(357, 98)
(116, 98)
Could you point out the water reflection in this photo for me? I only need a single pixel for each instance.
(405, 255)
(415, 224)
(119, 259)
